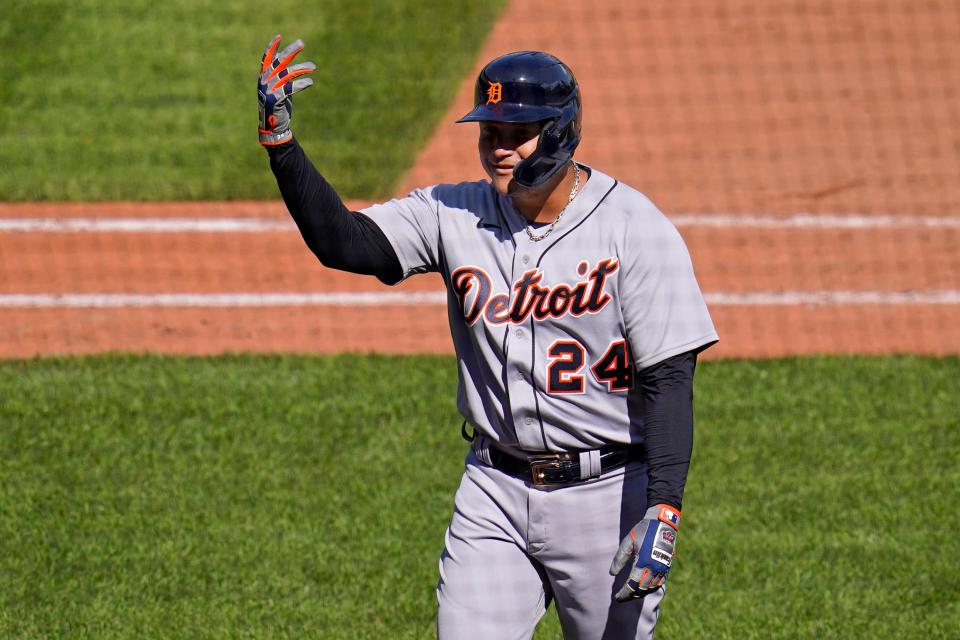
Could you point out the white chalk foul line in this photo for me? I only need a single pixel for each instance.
(363, 299)
(836, 298)
(813, 221)
(256, 225)
(138, 300)
(144, 225)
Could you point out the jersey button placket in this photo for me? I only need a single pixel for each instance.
(521, 390)
(522, 393)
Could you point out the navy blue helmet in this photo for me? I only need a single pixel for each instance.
(532, 86)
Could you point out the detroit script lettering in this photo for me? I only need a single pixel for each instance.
(531, 299)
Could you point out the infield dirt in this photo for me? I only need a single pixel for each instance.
(825, 108)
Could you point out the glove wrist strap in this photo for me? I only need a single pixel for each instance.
(666, 514)
(271, 139)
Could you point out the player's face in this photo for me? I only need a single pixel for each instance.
(502, 146)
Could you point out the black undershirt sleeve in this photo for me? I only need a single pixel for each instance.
(667, 391)
(341, 239)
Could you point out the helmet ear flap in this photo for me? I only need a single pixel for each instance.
(558, 140)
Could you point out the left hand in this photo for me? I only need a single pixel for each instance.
(277, 83)
(651, 543)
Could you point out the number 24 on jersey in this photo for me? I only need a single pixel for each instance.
(568, 358)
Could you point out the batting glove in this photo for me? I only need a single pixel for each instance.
(651, 543)
(277, 83)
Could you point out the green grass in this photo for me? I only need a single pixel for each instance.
(146, 100)
(290, 497)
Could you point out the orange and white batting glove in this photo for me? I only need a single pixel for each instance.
(278, 81)
(650, 544)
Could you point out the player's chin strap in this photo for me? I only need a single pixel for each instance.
(558, 140)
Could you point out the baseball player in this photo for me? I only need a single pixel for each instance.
(577, 321)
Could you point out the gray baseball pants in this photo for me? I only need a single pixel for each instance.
(513, 547)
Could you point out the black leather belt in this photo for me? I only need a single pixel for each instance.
(559, 468)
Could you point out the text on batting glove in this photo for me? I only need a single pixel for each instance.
(278, 81)
(650, 545)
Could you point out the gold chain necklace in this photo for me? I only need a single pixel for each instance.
(573, 194)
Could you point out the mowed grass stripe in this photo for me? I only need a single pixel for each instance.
(282, 497)
(140, 100)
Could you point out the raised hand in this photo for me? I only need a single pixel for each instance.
(277, 83)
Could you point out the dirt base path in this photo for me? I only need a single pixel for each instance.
(737, 120)
(824, 106)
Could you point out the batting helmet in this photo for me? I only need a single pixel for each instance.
(532, 86)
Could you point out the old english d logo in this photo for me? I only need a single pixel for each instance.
(494, 93)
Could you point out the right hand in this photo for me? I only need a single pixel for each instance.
(648, 548)
(276, 84)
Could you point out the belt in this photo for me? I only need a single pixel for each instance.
(559, 468)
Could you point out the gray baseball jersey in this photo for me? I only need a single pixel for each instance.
(548, 333)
